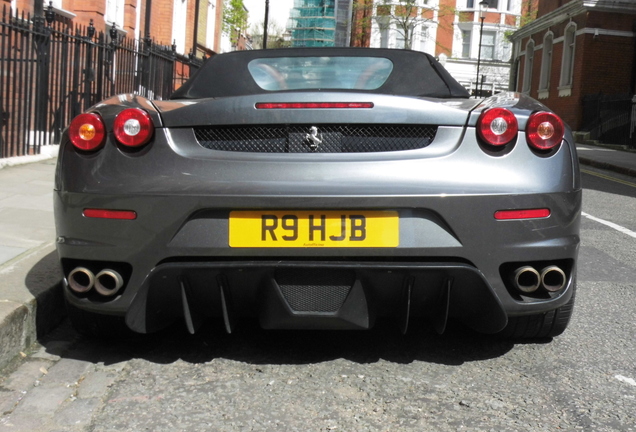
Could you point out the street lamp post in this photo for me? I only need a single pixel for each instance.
(483, 7)
(265, 24)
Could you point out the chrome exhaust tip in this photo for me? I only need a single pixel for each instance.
(526, 279)
(108, 282)
(81, 280)
(553, 278)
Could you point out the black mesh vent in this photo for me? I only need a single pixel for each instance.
(315, 290)
(315, 138)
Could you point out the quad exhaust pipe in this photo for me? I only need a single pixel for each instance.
(81, 280)
(107, 282)
(553, 278)
(527, 279)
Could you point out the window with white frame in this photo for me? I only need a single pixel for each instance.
(527, 69)
(488, 45)
(400, 37)
(546, 62)
(470, 4)
(466, 43)
(179, 14)
(114, 12)
(384, 27)
(493, 4)
(211, 25)
(567, 65)
(423, 38)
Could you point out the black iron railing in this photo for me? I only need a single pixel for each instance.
(610, 119)
(50, 72)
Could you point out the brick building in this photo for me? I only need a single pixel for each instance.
(191, 25)
(576, 49)
(449, 29)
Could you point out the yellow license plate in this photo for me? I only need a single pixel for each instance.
(305, 229)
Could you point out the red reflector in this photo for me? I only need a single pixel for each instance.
(313, 105)
(522, 214)
(110, 214)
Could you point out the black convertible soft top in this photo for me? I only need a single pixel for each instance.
(414, 73)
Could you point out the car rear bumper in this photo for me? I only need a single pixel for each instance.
(453, 259)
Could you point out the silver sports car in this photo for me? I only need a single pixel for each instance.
(319, 189)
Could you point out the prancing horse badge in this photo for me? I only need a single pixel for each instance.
(314, 137)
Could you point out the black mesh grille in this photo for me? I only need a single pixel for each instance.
(315, 138)
(315, 290)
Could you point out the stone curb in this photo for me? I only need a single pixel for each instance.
(32, 303)
(608, 166)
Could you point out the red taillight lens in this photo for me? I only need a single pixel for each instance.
(87, 132)
(110, 214)
(544, 130)
(497, 126)
(133, 127)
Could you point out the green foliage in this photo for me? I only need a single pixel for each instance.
(405, 14)
(529, 13)
(234, 17)
(275, 35)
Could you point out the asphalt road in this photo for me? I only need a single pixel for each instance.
(359, 381)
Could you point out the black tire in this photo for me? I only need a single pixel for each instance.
(97, 326)
(547, 325)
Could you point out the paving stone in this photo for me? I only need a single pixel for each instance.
(8, 400)
(23, 422)
(26, 375)
(78, 412)
(68, 372)
(44, 400)
(96, 384)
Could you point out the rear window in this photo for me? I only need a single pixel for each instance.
(304, 73)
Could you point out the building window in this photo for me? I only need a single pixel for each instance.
(488, 45)
(567, 65)
(383, 23)
(470, 4)
(210, 25)
(546, 62)
(401, 38)
(179, 12)
(527, 69)
(114, 12)
(493, 4)
(423, 38)
(465, 44)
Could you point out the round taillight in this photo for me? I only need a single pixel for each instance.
(544, 130)
(133, 127)
(497, 126)
(87, 132)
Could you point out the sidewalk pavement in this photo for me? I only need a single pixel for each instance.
(31, 302)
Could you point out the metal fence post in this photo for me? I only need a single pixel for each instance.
(41, 40)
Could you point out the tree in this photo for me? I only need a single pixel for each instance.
(405, 15)
(234, 19)
(275, 35)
